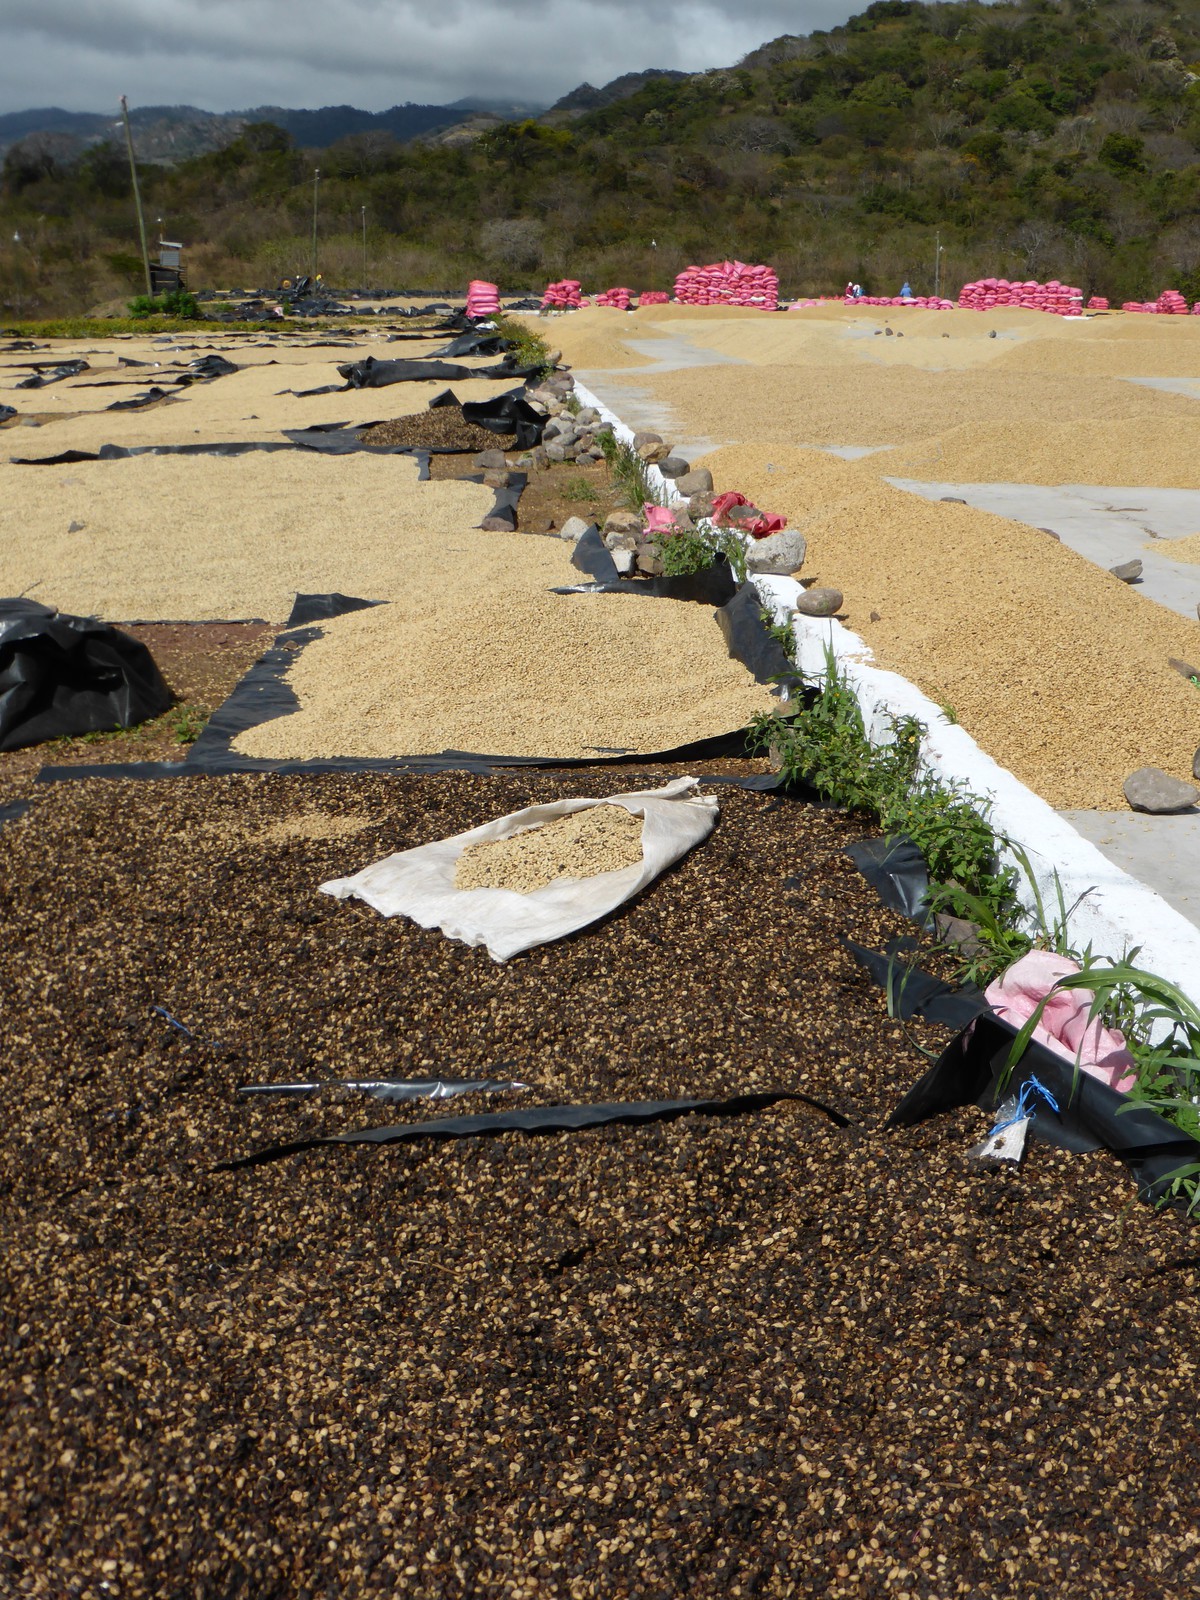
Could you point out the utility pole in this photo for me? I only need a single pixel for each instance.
(316, 181)
(364, 231)
(137, 195)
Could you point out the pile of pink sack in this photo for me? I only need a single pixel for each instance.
(926, 302)
(1097, 303)
(1061, 299)
(483, 299)
(653, 297)
(728, 283)
(1170, 303)
(1065, 1025)
(616, 299)
(566, 295)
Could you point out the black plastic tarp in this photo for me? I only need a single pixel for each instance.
(320, 607)
(541, 1120)
(973, 1070)
(715, 586)
(55, 374)
(745, 633)
(896, 870)
(6, 412)
(61, 676)
(505, 413)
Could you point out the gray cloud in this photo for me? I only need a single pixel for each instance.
(227, 55)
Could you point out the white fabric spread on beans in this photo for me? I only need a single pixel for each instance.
(600, 839)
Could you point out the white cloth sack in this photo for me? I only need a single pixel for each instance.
(419, 883)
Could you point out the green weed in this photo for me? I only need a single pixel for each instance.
(580, 492)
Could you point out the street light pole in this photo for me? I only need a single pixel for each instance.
(137, 195)
(364, 233)
(316, 181)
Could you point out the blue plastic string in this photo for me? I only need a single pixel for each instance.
(161, 1011)
(1032, 1086)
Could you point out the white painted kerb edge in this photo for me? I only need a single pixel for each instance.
(1116, 914)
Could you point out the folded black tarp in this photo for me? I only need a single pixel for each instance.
(61, 676)
(505, 413)
(39, 380)
(973, 1070)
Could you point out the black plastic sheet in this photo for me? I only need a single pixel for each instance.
(371, 373)
(61, 676)
(745, 633)
(540, 1120)
(506, 413)
(12, 809)
(476, 342)
(973, 1070)
(896, 870)
(320, 607)
(712, 587)
(592, 556)
(138, 402)
(508, 499)
(53, 374)
(912, 992)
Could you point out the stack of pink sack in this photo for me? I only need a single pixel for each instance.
(653, 297)
(1060, 299)
(1170, 303)
(728, 283)
(926, 302)
(617, 299)
(563, 296)
(483, 299)
(1097, 303)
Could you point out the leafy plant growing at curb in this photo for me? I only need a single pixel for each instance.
(695, 549)
(630, 474)
(529, 349)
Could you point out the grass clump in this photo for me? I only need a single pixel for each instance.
(178, 303)
(629, 473)
(580, 492)
(105, 327)
(527, 346)
(695, 549)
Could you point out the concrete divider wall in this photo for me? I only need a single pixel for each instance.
(1115, 914)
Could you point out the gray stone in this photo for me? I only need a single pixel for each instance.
(557, 426)
(649, 559)
(700, 505)
(540, 458)
(496, 525)
(623, 522)
(1128, 571)
(1196, 765)
(489, 459)
(76, 527)
(674, 467)
(1050, 534)
(588, 417)
(555, 451)
(697, 481)
(960, 935)
(1150, 789)
(497, 480)
(819, 603)
(620, 541)
(639, 439)
(623, 560)
(651, 454)
(574, 528)
(779, 553)
(554, 357)
(953, 500)
(888, 332)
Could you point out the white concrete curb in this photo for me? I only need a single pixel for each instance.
(1116, 913)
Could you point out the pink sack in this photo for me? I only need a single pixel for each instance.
(724, 503)
(1063, 1026)
(659, 519)
(765, 524)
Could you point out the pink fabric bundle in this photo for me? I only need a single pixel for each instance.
(618, 299)
(1097, 303)
(733, 509)
(1063, 1026)
(1061, 299)
(483, 299)
(654, 297)
(728, 283)
(724, 503)
(659, 519)
(563, 296)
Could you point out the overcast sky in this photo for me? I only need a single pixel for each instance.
(231, 55)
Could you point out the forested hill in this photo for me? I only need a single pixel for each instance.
(1046, 137)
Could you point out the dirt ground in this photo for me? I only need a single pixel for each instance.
(755, 1355)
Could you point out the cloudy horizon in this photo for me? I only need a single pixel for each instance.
(235, 55)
